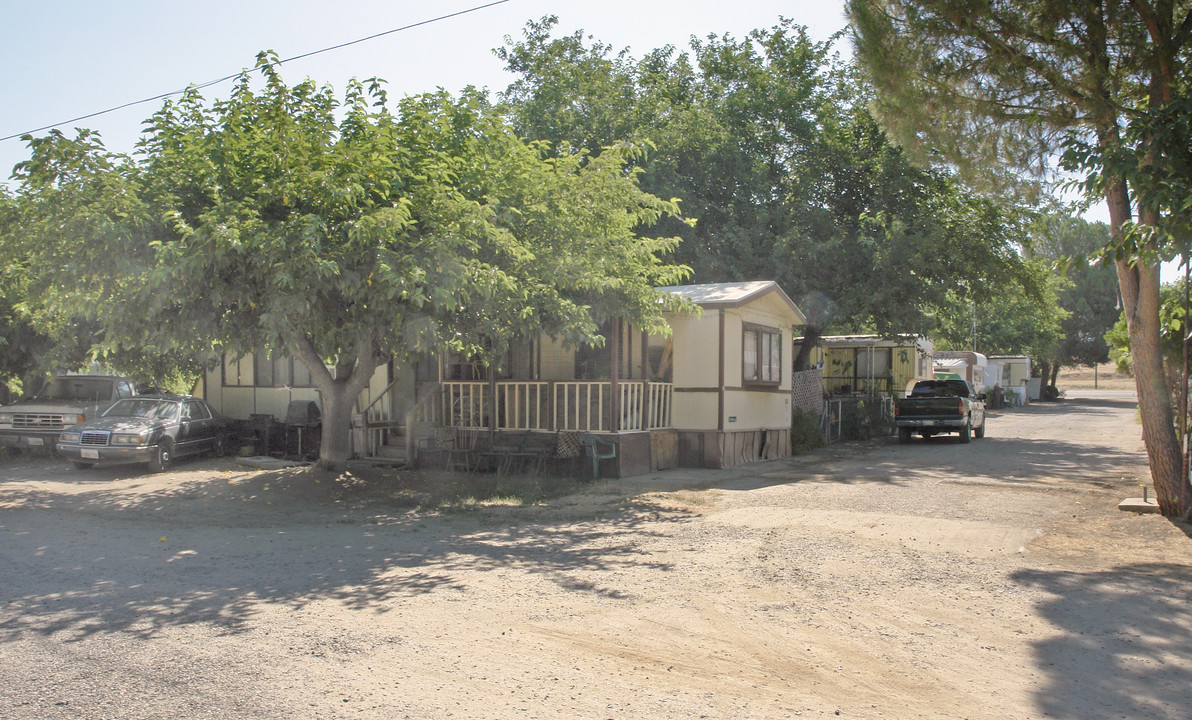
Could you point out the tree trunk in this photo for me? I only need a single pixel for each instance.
(338, 395)
(336, 446)
(1139, 284)
(811, 336)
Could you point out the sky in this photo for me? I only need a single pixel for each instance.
(67, 59)
(63, 60)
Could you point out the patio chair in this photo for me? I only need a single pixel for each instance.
(457, 455)
(499, 457)
(600, 449)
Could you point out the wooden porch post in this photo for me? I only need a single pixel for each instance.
(645, 381)
(615, 354)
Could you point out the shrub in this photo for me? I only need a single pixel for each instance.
(805, 432)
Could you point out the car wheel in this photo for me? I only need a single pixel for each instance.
(162, 457)
(904, 435)
(980, 431)
(966, 434)
(80, 465)
(219, 449)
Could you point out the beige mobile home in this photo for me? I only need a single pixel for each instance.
(715, 393)
(732, 376)
(1013, 374)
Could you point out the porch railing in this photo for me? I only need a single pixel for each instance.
(547, 406)
(856, 385)
(646, 405)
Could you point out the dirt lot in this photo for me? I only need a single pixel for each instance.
(868, 580)
(1102, 377)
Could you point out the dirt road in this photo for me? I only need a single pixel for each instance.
(873, 580)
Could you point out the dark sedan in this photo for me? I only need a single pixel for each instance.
(150, 429)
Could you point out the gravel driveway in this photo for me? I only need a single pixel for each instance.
(867, 580)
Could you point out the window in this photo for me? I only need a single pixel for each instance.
(873, 362)
(761, 355)
(193, 410)
(265, 371)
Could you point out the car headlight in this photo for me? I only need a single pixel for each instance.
(74, 419)
(5, 418)
(69, 437)
(127, 439)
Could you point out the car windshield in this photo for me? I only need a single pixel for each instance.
(90, 389)
(144, 407)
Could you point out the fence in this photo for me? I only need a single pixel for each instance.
(857, 418)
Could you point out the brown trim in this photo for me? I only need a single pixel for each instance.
(646, 374)
(645, 405)
(760, 388)
(745, 325)
(695, 390)
(615, 375)
(720, 380)
(758, 328)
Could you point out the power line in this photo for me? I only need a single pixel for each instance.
(225, 78)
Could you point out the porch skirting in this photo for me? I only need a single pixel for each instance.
(725, 449)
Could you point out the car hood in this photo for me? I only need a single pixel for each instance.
(122, 424)
(57, 407)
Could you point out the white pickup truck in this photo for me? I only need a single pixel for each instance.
(65, 401)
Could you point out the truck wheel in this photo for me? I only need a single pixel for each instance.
(904, 435)
(966, 434)
(979, 432)
(162, 457)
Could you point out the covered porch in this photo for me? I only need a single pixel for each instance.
(620, 392)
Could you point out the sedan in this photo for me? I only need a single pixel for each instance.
(150, 429)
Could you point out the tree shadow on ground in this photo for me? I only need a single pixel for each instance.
(92, 558)
(1124, 641)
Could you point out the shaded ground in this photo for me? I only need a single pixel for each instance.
(873, 580)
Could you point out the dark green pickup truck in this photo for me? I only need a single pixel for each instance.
(940, 406)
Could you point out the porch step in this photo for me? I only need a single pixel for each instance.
(392, 451)
(376, 460)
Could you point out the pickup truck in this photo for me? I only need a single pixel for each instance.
(64, 402)
(940, 406)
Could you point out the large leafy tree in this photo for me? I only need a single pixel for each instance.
(1001, 87)
(1089, 293)
(770, 145)
(342, 234)
(1008, 322)
(36, 340)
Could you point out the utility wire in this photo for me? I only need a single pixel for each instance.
(225, 78)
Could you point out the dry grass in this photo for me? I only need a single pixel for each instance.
(1103, 377)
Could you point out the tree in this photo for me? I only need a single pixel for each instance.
(1090, 293)
(769, 145)
(1000, 88)
(1172, 317)
(277, 220)
(1008, 322)
(37, 342)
